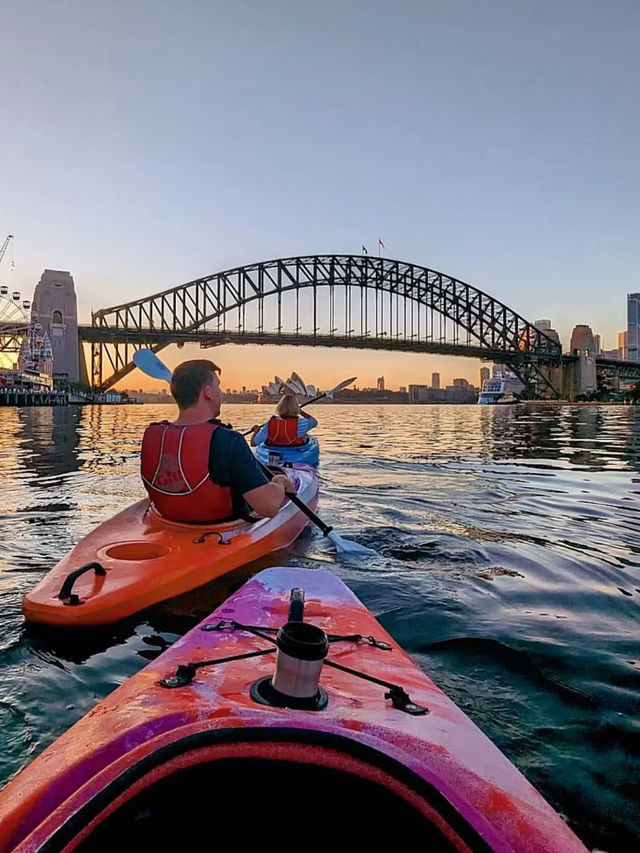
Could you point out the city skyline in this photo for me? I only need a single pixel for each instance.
(265, 362)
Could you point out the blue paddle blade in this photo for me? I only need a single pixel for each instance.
(148, 362)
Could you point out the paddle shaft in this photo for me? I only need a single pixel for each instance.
(325, 528)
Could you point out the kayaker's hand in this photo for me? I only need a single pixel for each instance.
(256, 428)
(285, 482)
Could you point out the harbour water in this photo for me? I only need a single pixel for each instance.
(509, 568)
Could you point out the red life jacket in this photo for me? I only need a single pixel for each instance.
(175, 471)
(283, 432)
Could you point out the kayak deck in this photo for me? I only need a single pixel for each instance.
(171, 758)
(137, 559)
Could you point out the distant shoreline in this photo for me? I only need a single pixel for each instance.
(394, 403)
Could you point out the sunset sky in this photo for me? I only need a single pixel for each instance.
(254, 366)
(148, 143)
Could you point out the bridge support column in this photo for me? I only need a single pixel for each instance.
(579, 377)
(55, 308)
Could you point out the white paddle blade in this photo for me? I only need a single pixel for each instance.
(342, 385)
(346, 546)
(148, 362)
(339, 387)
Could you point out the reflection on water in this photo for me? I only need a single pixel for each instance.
(509, 567)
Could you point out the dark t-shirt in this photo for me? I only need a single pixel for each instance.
(231, 463)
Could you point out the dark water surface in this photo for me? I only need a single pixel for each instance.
(509, 567)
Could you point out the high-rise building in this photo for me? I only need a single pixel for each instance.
(598, 342)
(435, 380)
(460, 383)
(582, 340)
(380, 383)
(545, 326)
(425, 394)
(633, 326)
(623, 345)
(551, 333)
(484, 375)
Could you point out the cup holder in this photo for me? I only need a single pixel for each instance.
(136, 551)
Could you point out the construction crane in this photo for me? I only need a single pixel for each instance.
(5, 245)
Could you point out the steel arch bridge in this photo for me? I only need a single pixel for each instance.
(324, 300)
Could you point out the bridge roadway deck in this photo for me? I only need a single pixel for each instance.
(153, 337)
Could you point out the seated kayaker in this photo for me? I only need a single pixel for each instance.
(196, 469)
(287, 428)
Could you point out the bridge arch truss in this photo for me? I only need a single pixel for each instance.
(323, 300)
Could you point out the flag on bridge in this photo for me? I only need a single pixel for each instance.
(364, 250)
(380, 243)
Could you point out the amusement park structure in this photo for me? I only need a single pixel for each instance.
(26, 356)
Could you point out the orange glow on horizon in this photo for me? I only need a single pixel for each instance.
(254, 366)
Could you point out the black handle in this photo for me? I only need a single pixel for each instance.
(65, 591)
(296, 605)
(325, 528)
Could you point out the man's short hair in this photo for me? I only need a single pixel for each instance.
(188, 380)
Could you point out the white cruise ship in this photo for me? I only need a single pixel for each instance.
(504, 387)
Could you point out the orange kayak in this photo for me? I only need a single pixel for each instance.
(137, 559)
(199, 748)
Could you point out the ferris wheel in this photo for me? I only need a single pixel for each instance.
(14, 316)
(14, 320)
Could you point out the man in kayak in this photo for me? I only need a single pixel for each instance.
(287, 428)
(198, 470)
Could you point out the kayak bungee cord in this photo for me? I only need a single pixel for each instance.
(400, 699)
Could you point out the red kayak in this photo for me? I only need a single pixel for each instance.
(288, 717)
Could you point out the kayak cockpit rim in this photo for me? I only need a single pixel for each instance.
(305, 772)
